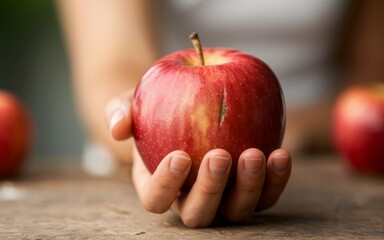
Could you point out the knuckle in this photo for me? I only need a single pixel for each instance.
(250, 188)
(151, 201)
(166, 185)
(194, 222)
(238, 213)
(238, 218)
(209, 190)
(153, 206)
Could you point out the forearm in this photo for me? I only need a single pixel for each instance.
(110, 47)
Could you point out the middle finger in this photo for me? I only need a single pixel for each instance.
(198, 208)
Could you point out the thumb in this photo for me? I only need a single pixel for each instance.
(119, 117)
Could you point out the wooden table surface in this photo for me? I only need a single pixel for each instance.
(323, 200)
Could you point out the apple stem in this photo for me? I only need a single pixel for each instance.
(197, 44)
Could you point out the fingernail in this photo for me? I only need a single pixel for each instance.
(280, 164)
(117, 116)
(253, 165)
(179, 163)
(218, 165)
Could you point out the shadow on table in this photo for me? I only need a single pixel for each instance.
(265, 220)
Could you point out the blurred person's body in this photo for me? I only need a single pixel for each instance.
(112, 44)
(297, 39)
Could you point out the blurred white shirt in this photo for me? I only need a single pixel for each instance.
(296, 38)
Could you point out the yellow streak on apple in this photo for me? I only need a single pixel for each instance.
(201, 120)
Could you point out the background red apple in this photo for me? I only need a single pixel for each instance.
(358, 127)
(233, 102)
(15, 134)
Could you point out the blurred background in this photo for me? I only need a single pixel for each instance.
(33, 65)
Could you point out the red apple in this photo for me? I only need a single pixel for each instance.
(233, 101)
(358, 127)
(15, 134)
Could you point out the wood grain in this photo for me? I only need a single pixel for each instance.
(323, 200)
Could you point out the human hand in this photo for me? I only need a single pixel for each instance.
(258, 184)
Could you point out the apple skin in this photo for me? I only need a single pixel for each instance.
(15, 134)
(358, 127)
(234, 102)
